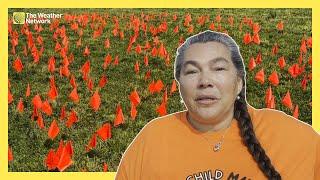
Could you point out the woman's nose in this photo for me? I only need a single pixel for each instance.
(204, 82)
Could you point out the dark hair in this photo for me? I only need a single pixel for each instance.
(241, 113)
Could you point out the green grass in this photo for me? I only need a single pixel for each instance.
(29, 143)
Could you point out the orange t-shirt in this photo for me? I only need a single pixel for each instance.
(170, 148)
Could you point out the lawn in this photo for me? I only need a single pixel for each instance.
(31, 144)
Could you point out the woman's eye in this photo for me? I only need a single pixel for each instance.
(191, 72)
(220, 69)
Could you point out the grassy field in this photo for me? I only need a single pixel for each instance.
(30, 144)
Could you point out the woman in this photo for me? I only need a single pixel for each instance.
(220, 136)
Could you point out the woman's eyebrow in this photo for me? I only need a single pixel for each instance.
(218, 59)
(212, 61)
(191, 62)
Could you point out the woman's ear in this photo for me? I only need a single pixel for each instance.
(239, 84)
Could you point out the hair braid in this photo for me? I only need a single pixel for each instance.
(251, 141)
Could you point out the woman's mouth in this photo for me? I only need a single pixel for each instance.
(206, 99)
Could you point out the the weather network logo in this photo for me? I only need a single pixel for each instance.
(19, 17)
(34, 18)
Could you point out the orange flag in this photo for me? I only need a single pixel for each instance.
(176, 29)
(268, 95)
(161, 109)
(275, 49)
(136, 67)
(74, 95)
(20, 106)
(247, 38)
(53, 130)
(133, 111)
(269, 99)
(40, 121)
(165, 96)
(17, 65)
(105, 131)
(167, 60)
(57, 47)
(63, 112)
(256, 38)
(107, 61)
(294, 70)
(134, 97)
(256, 28)
(286, 100)
(90, 84)
(51, 64)
(304, 83)
(95, 101)
(272, 103)
(79, 42)
(281, 62)
(158, 86)
(147, 46)
(35, 113)
(72, 119)
(86, 51)
(46, 108)
(174, 17)
(53, 92)
(211, 27)
(107, 43)
(85, 69)
(151, 87)
(296, 112)
(173, 87)
(187, 19)
(252, 64)
(69, 148)
(119, 116)
(116, 60)
(73, 81)
(103, 81)
(162, 51)
(52, 160)
(64, 71)
(105, 167)
(280, 26)
(10, 154)
(28, 90)
(303, 47)
(10, 97)
(138, 49)
(154, 52)
(146, 60)
(260, 76)
(65, 160)
(309, 42)
(92, 143)
(218, 18)
(190, 29)
(259, 58)
(274, 79)
(147, 75)
(36, 101)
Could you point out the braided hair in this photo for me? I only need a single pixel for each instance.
(241, 113)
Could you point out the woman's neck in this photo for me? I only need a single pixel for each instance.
(205, 127)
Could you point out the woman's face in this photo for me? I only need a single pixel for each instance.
(208, 82)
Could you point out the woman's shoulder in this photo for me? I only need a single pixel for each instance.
(278, 122)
